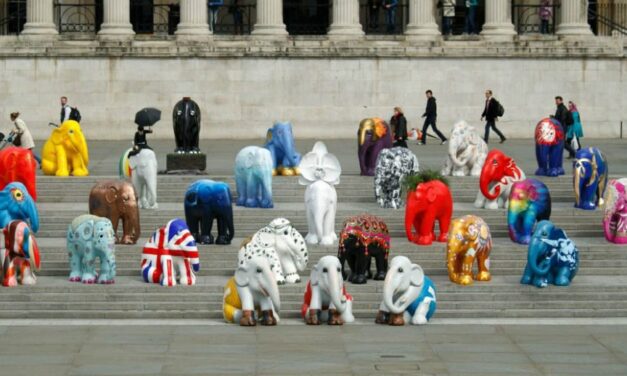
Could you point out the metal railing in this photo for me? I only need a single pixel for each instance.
(602, 24)
(76, 18)
(235, 19)
(531, 18)
(375, 19)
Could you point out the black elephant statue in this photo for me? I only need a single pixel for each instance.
(206, 200)
(186, 121)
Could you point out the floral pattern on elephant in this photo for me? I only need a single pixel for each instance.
(615, 215)
(117, 200)
(19, 255)
(90, 237)
(205, 201)
(590, 174)
(498, 174)
(326, 298)
(549, 136)
(170, 256)
(392, 166)
(552, 257)
(362, 238)
(467, 151)
(529, 202)
(253, 177)
(283, 246)
(280, 143)
(468, 239)
(374, 135)
(18, 165)
(65, 152)
(16, 203)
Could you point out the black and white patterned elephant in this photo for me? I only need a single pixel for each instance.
(392, 167)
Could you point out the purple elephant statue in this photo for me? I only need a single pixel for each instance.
(615, 218)
(374, 135)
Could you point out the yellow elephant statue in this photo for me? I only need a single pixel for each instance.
(65, 152)
(469, 238)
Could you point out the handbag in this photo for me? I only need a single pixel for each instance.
(574, 143)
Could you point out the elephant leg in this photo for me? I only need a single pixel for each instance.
(231, 313)
(106, 266)
(241, 185)
(252, 196)
(222, 237)
(151, 190)
(27, 277)
(382, 266)
(480, 200)
(206, 225)
(185, 273)
(361, 263)
(562, 277)
(312, 236)
(193, 223)
(75, 264)
(168, 278)
(540, 281)
(89, 267)
(289, 269)
(350, 259)
(452, 265)
(78, 167)
(9, 273)
(329, 236)
(114, 222)
(542, 156)
(527, 276)
(62, 165)
(127, 231)
(483, 266)
(444, 221)
(422, 312)
(368, 272)
(559, 159)
(529, 220)
(465, 277)
(426, 226)
(265, 187)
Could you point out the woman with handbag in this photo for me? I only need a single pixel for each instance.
(575, 132)
(22, 137)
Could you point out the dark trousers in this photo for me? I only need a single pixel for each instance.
(569, 148)
(401, 143)
(373, 15)
(470, 26)
(430, 121)
(492, 124)
(544, 26)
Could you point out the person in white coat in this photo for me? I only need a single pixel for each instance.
(22, 133)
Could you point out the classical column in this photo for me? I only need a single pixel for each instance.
(39, 18)
(269, 18)
(574, 18)
(116, 21)
(422, 23)
(345, 19)
(194, 21)
(498, 20)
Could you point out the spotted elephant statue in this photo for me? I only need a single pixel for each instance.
(90, 237)
(466, 151)
(393, 165)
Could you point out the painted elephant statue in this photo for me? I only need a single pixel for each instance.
(498, 174)
(252, 294)
(90, 237)
(205, 201)
(144, 177)
(253, 177)
(19, 255)
(615, 216)
(552, 257)
(468, 239)
(283, 246)
(117, 200)
(325, 297)
(320, 172)
(428, 200)
(362, 238)
(590, 172)
(16, 203)
(18, 164)
(374, 135)
(280, 142)
(408, 295)
(467, 151)
(186, 122)
(549, 136)
(65, 153)
(529, 202)
(171, 255)
(393, 165)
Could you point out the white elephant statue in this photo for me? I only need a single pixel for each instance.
(283, 246)
(325, 297)
(144, 176)
(320, 171)
(252, 294)
(408, 295)
(393, 165)
(466, 151)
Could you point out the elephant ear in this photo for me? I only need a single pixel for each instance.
(473, 231)
(558, 233)
(86, 231)
(416, 275)
(111, 195)
(82, 146)
(431, 194)
(57, 136)
(250, 160)
(313, 278)
(241, 276)
(308, 167)
(332, 169)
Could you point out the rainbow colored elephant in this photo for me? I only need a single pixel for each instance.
(529, 202)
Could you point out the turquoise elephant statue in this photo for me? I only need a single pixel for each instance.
(253, 177)
(90, 237)
(280, 142)
(17, 203)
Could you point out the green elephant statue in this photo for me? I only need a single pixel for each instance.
(90, 237)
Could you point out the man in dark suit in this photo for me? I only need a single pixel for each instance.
(565, 118)
(491, 114)
(430, 115)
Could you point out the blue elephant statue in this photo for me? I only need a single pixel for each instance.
(590, 172)
(529, 201)
(253, 177)
(90, 237)
(17, 203)
(552, 257)
(280, 142)
(549, 136)
(206, 200)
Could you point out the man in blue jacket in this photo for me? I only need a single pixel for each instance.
(390, 14)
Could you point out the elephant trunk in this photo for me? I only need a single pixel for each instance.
(535, 252)
(577, 185)
(273, 291)
(33, 252)
(484, 185)
(362, 136)
(335, 291)
(32, 214)
(389, 290)
(452, 152)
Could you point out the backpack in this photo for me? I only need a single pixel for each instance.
(500, 110)
(75, 114)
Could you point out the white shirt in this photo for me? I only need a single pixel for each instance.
(66, 113)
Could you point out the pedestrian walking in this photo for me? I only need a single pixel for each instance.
(471, 15)
(214, 8)
(431, 115)
(398, 122)
(566, 120)
(491, 113)
(545, 13)
(390, 14)
(22, 136)
(575, 132)
(448, 13)
(66, 110)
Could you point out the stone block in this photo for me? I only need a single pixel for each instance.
(176, 162)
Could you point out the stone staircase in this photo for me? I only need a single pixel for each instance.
(597, 291)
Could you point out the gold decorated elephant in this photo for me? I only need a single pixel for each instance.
(469, 238)
(65, 152)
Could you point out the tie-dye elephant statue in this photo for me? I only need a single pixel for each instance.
(280, 142)
(549, 137)
(590, 171)
(253, 177)
(615, 216)
(283, 246)
(90, 237)
(529, 202)
(466, 151)
(552, 257)
(171, 255)
(393, 165)
(16, 203)
(19, 255)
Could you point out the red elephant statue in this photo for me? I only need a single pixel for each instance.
(428, 200)
(18, 164)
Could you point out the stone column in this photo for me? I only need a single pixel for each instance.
(422, 23)
(116, 21)
(498, 20)
(574, 18)
(345, 19)
(269, 18)
(194, 21)
(39, 18)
